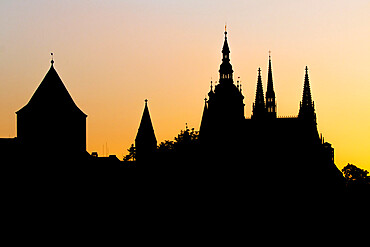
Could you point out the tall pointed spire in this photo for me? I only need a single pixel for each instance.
(145, 141)
(204, 122)
(270, 93)
(259, 104)
(226, 70)
(307, 106)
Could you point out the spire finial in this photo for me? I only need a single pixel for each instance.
(269, 54)
(52, 58)
(146, 101)
(225, 29)
(306, 69)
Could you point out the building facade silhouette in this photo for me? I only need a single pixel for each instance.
(281, 150)
(263, 150)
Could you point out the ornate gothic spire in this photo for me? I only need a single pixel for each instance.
(259, 104)
(307, 106)
(270, 93)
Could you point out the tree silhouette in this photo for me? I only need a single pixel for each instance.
(166, 146)
(131, 156)
(186, 138)
(355, 175)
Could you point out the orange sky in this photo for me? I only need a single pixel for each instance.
(112, 55)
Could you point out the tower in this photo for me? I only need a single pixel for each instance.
(270, 93)
(226, 69)
(50, 123)
(259, 109)
(225, 104)
(307, 106)
(145, 141)
(307, 115)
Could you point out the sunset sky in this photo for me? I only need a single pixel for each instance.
(111, 55)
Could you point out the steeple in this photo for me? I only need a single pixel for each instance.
(270, 93)
(307, 106)
(259, 104)
(204, 122)
(226, 70)
(145, 141)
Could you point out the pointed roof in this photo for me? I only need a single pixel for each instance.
(259, 104)
(225, 48)
(307, 106)
(204, 121)
(226, 69)
(145, 132)
(270, 84)
(306, 97)
(51, 95)
(259, 91)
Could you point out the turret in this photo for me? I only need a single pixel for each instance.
(51, 123)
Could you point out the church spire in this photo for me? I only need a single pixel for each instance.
(307, 106)
(145, 141)
(270, 93)
(226, 70)
(204, 122)
(259, 104)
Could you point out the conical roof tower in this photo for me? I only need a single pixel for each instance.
(51, 122)
(145, 141)
(51, 96)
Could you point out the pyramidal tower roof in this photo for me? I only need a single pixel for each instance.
(146, 131)
(51, 95)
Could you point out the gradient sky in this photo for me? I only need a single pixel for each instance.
(112, 55)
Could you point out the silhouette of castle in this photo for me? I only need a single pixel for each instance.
(261, 150)
(277, 151)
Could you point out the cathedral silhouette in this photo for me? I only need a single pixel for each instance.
(264, 149)
(282, 153)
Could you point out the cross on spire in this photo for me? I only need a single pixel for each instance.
(52, 58)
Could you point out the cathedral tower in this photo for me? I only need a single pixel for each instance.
(307, 106)
(259, 110)
(226, 69)
(225, 104)
(270, 93)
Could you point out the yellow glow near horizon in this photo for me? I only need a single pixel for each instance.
(113, 55)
